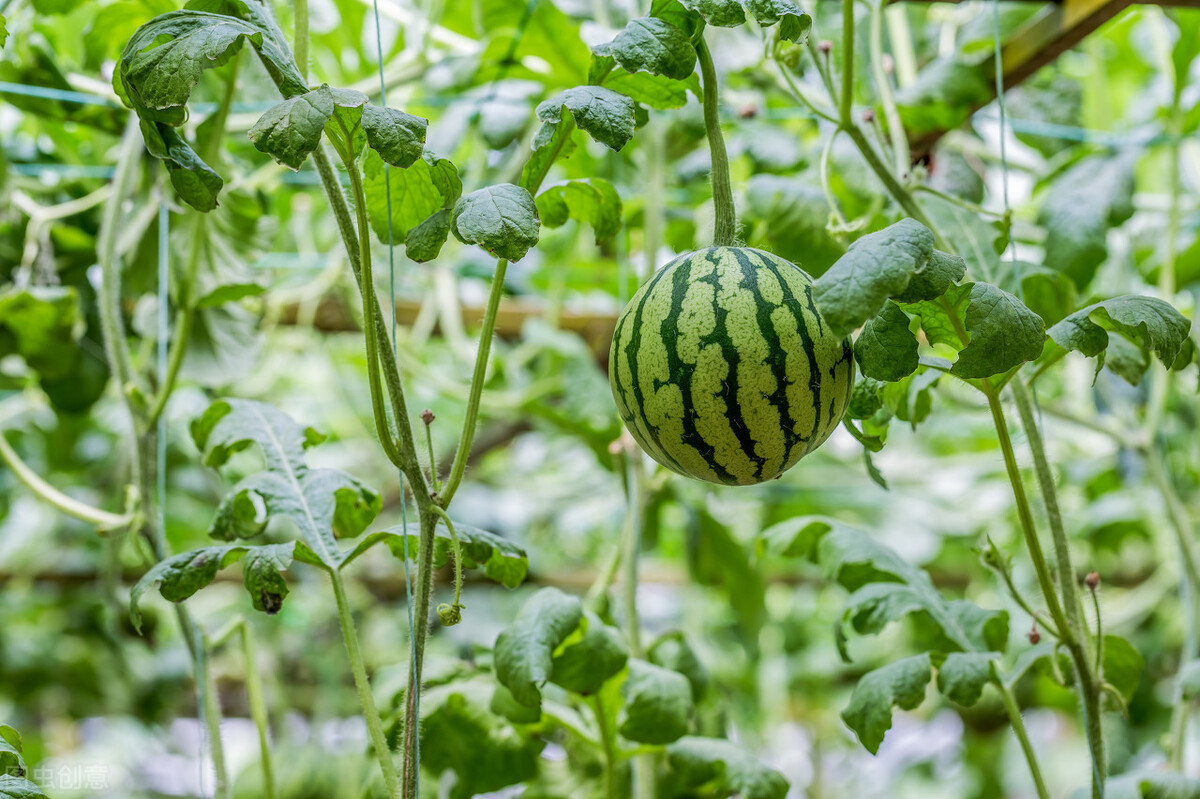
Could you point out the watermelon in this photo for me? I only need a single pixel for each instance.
(723, 369)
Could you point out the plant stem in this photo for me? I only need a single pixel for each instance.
(632, 545)
(363, 685)
(1099, 633)
(433, 464)
(457, 551)
(412, 721)
(725, 229)
(823, 169)
(258, 709)
(610, 755)
(300, 38)
(211, 709)
(974, 208)
(891, 113)
(794, 88)
(467, 437)
(1018, 725)
(111, 314)
(847, 98)
(103, 519)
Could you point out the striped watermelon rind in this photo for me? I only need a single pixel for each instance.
(723, 370)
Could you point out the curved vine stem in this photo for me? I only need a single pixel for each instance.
(725, 229)
(1018, 724)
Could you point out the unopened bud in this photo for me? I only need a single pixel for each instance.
(869, 116)
(1092, 581)
(825, 46)
(748, 111)
(888, 63)
(1033, 635)
(427, 416)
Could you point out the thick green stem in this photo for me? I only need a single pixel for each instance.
(459, 466)
(363, 686)
(258, 709)
(725, 229)
(1018, 725)
(104, 520)
(412, 721)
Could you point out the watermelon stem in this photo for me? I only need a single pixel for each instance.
(725, 229)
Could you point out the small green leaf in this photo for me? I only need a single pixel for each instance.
(524, 650)
(1147, 322)
(399, 138)
(716, 767)
(605, 115)
(962, 676)
(1080, 207)
(886, 349)
(289, 131)
(658, 704)
(198, 185)
(650, 44)
(1122, 665)
(425, 241)
(502, 219)
(1003, 333)
(655, 91)
(501, 559)
(592, 200)
(11, 761)
(592, 654)
(877, 266)
(794, 24)
(3, 30)
(938, 276)
(900, 684)
(13, 787)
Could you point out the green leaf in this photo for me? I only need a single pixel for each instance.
(11, 761)
(592, 200)
(886, 349)
(602, 113)
(399, 138)
(715, 767)
(655, 91)
(885, 587)
(198, 185)
(658, 704)
(1079, 209)
(165, 58)
(3, 30)
(180, 576)
(553, 140)
(417, 193)
(944, 94)
(502, 219)
(42, 324)
(877, 266)
(1122, 665)
(1048, 293)
(962, 676)
(289, 131)
(716, 558)
(1147, 322)
(900, 684)
(794, 24)
(459, 733)
(426, 240)
(650, 44)
(592, 654)
(501, 559)
(524, 650)
(323, 504)
(722, 13)
(12, 787)
(671, 650)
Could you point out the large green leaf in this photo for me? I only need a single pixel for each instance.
(502, 219)
(417, 193)
(323, 504)
(944, 94)
(900, 684)
(650, 44)
(289, 131)
(605, 115)
(658, 704)
(14, 787)
(589, 657)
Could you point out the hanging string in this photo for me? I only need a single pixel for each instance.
(412, 638)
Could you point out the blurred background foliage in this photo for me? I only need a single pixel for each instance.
(1090, 184)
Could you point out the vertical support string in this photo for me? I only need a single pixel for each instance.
(387, 187)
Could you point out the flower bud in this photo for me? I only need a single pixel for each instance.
(825, 46)
(869, 116)
(1034, 635)
(1092, 580)
(427, 416)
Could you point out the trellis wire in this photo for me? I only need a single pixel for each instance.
(412, 637)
